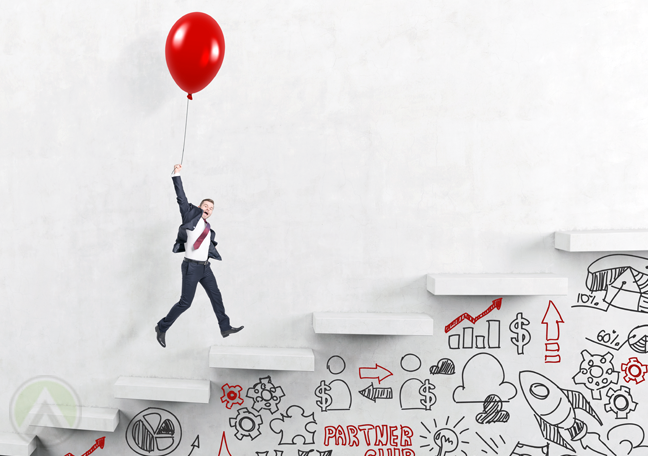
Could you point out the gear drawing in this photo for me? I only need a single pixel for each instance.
(634, 371)
(265, 395)
(596, 373)
(231, 395)
(246, 423)
(620, 402)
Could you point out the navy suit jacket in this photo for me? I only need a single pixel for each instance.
(190, 217)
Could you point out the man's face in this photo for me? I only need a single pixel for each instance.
(207, 209)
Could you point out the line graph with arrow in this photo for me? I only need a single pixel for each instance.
(99, 443)
(497, 304)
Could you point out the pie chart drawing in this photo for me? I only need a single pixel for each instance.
(154, 432)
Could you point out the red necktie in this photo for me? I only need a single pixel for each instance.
(202, 236)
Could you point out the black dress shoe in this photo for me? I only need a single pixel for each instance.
(227, 332)
(160, 336)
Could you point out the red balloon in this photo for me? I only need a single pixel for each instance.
(194, 51)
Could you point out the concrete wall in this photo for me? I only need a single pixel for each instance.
(351, 148)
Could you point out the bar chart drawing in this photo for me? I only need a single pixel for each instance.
(468, 339)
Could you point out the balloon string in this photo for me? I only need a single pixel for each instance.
(185, 132)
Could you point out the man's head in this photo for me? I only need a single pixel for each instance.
(207, 206)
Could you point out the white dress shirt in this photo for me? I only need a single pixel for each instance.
(202, 254)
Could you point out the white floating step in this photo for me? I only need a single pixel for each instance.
(162, 389)
(91, 418)
(262, 358)
(496, 284)
(601, 240)
(17, 445)
(391, 324)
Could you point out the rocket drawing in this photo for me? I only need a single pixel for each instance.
(555, 410)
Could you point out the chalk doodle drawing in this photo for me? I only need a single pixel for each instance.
(446, 439)
(295, 426)
(626, 439)
(333, 396)
(231, 395)
(383, 435)
(417, 395)
(522, 336)
(620, 402)
(496, 305)
(482, 376)
(479, 341)
(265, 453)
(493, 411)
(319, 453)
(552, 320)
(590, 301)
(634, 371)
(246, 423)
(154, 431)
(265, 395)
(596, 372)
(492, 444)
(336, 365)
(410, 362)
(372, 392)
(607, 339)
(554, 409)
(618, 281)
(445, 366)
(99, 444)
(522, 449)
(196, 443)
(638, 339)
(374, 373)
(223, 450)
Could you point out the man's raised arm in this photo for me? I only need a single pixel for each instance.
(180, 194)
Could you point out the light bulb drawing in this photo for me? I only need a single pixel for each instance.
(446, 439)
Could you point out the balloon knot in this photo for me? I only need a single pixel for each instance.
(189, 96)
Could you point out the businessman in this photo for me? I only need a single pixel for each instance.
(196, 240)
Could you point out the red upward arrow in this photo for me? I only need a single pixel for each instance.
(99, 443)
(223, 443)
(378, 372)
(552, 320)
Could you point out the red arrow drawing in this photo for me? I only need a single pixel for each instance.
(497, 304)
(224, 443)
(99, 443)
(378, 372)
(552, 320)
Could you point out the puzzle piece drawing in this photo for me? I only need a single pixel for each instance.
(295, 426)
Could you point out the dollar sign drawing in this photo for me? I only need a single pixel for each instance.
(324, 399)
(522, 336)
(429, 398)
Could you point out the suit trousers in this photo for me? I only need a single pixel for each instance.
(192, 274)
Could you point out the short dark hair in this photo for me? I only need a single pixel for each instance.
(207, 199)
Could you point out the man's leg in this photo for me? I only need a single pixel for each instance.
(191, 274)
(208, 282)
